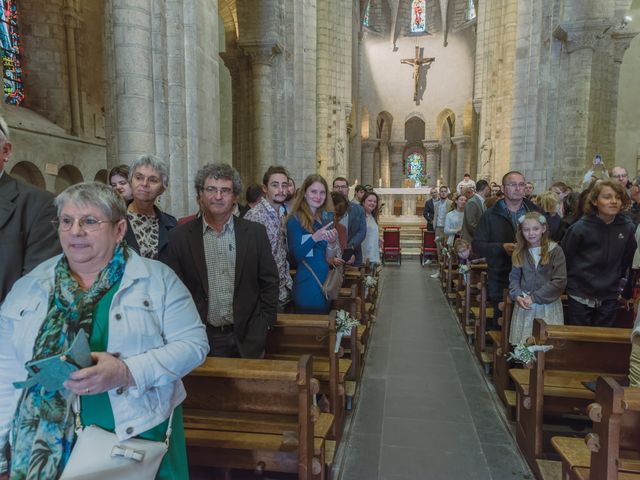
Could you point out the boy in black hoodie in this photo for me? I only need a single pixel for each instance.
(599, 249)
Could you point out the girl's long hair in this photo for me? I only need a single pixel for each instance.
(301, 208)
(522, 247)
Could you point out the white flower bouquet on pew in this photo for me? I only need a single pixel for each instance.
(344, 324)
(526, 354)
(369, 282)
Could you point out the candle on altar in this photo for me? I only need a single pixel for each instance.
(380, 182)
(356, 182)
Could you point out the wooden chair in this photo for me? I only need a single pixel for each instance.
(501, 379)
(612, 451)
(391, 248)
(484, 355)
(470, 307)
(553, 386)
(428, 249)
(256, 415)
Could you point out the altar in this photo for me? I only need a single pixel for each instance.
(410, 199)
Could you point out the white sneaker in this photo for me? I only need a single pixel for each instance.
(435, 275)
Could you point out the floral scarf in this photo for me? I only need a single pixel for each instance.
(43, 426)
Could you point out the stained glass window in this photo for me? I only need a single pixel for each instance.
(471, 10)
(365, 22)
(415, 166)
(418, 21)
(10, 45)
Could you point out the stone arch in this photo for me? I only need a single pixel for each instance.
(364, 123)
(446, 118)
(28, 173)
(101, 176)
(67, 175)
(414, 130)
(384, 124)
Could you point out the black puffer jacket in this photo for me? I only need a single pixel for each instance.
(598, 256)
(495, 229)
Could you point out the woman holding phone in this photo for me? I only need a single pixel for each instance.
(313, 243)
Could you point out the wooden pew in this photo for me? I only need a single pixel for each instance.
(553, 385)
(470, 305)
(353, 344)
(501, 379)
(256, 415)
(298, 334)
(484, 355)
(612, 451)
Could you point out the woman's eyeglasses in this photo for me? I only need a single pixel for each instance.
(88, 224)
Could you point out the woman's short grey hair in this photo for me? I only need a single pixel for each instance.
(95, 194)
(218, 171)
(154, 162)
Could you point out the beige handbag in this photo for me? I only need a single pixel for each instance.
(99, 455)
(333, 282)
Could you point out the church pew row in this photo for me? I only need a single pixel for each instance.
(300, 334)
(501, 379)
(484, 312)
(612, 450)
(552, 386)
(256, 415)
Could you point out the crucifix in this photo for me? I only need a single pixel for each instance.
(417, 62)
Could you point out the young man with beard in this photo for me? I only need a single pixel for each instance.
(268, 212)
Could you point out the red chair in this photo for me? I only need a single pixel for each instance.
(429, 248)
(391, 248)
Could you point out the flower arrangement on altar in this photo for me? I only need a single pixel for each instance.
(526, 354)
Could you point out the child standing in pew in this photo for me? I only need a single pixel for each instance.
(538, 277)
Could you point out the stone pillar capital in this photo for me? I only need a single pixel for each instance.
(621, 42)
(369, 145)
(231, 59)
(461, 140)
(262, 54)
(431, 147)
(70, 14)
(396, 147)
(477, 105)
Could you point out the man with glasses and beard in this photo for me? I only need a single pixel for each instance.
(269, 212)
(227, 265)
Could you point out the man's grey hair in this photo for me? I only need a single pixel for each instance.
(95, 194)
(154, 162)
(218, 171)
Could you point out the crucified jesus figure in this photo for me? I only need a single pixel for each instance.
(417, 62)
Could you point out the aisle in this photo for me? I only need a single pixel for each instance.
(425, 411)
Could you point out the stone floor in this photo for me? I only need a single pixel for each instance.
(425, 410)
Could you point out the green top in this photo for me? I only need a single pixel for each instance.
(96, 409)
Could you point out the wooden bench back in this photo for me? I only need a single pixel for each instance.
(615, 443)
(585, 349)
(303, 334)
(247, 385)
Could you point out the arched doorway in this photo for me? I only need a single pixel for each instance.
(28, 173)
(67, 176)
(101, 176)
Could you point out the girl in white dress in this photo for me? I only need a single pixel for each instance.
(538, 278)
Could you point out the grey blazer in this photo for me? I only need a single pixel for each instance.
(27, 237)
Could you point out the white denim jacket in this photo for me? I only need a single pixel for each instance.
(153, 324)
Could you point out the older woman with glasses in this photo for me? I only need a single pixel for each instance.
(144, 334)
(148, 226)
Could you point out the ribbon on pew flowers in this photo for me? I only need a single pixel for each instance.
(344, 324)
(526, 354)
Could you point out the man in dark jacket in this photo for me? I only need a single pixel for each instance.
(27, 237)
(227, 265)
(429, 211)
(495, 235)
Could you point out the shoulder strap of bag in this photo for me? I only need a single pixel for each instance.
(304, 262)
(76, 405)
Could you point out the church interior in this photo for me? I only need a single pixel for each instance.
(392, 94)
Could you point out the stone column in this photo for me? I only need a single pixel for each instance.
(445, 164)
(70, 26)
(368, 161)
(261, 57)
(433, 162)
(131, 81)
(462, 160)
(396, 149)
(377, 168)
